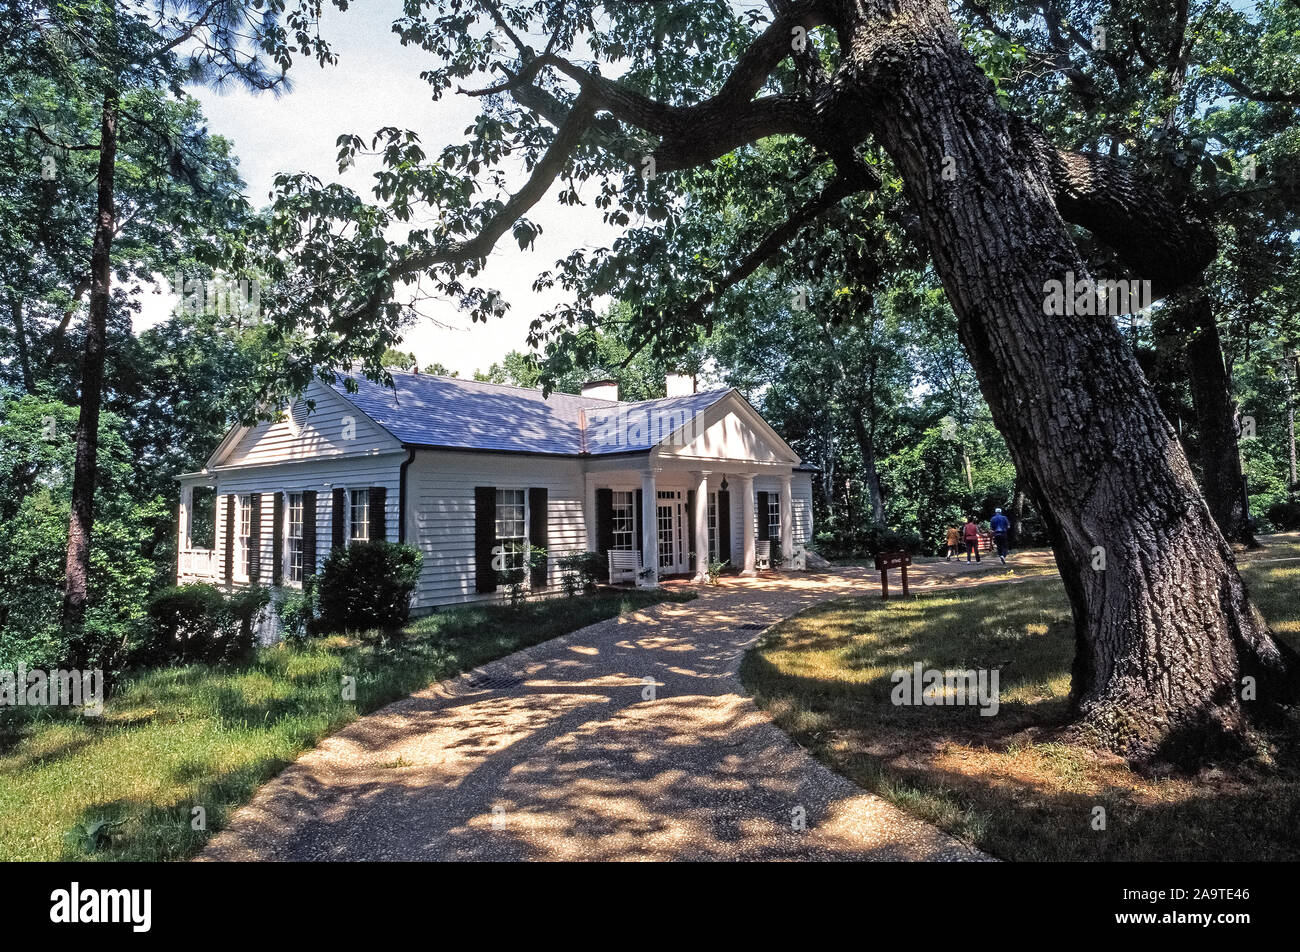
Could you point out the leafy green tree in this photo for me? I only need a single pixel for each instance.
(36, 475)
(124, 58)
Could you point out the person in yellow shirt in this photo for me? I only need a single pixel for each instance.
(953, 536)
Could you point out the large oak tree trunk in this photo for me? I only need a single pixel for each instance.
(1164, 627)
(80, 526)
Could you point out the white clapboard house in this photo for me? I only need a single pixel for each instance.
(465, 470)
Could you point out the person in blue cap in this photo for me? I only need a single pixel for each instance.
(1000, 526)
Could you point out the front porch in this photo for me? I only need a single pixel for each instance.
(681, 517)
(197, 557)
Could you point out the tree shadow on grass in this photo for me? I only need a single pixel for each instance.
(1002, 781)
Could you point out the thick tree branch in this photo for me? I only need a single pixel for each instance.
(1158, 242)
(1260, 95)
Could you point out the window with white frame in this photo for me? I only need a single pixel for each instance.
(624, 521)
(511, 528)
(359, 515)
(244, 540)
(774, 516)
(294, 532)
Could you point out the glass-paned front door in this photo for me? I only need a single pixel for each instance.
(671, 519)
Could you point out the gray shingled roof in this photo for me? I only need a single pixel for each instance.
(423, 410)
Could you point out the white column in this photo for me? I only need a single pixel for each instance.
(787, 520)
(747, 521)
(649, 524)
(183, 527)
(183, 518)
(701, 526)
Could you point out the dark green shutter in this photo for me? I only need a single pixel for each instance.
(230, 539)
(277, 538)
(308, 532)
(378, 518)
(604, 530)
(764, 528)
(485, 537)
(255, 539)
(338, 515)
(604, 520)
(724, 525)
(640, 544)
(537, 534)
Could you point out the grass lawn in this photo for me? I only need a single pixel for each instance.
(999, 782)
(197, 735)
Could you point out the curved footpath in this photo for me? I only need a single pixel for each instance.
(629, 739)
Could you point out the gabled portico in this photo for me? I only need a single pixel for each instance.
(686, 493)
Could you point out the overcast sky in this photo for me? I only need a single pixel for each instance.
(377, 83)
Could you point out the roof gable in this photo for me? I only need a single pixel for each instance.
(334, 428)
(643, 425)
(730, 429)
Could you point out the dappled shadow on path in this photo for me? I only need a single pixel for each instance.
(629, 739)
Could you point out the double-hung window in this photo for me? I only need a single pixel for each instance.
(294, 532)
(244, 557)
(774, 516)
(624, 520)
(511, 529)
(359, 516)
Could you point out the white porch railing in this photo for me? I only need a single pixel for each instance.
(198, 563)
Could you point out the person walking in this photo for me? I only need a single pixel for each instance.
(971, 533)
(954, 537)
(1000, 525)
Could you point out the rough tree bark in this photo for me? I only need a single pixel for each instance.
(1017, 512)
(1163, 639)
(1216, 421)
(76, 590)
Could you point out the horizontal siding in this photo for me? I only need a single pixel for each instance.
(440, 488)
(801, 488)
(321, 475)
(334, 428)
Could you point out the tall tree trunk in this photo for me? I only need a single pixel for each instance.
(1017, 512)
(20, 338)
(82, 522)
(1216, 423)
(1291, 374)
(867, 447)
(1164, 628)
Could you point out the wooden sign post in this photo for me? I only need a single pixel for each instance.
(892, 560)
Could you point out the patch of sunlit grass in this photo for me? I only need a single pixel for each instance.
(1001, 782)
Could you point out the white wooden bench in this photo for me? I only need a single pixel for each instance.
(624, 564)
(763, 554)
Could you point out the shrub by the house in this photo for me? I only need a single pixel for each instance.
(367, 585)
(197, 623)
(579, 572)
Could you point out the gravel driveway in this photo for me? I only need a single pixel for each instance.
(628, 739)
